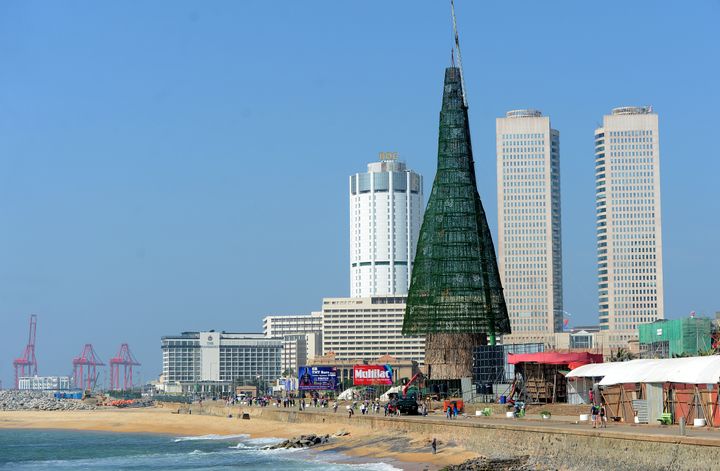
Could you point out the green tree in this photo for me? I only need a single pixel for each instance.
(622, 354)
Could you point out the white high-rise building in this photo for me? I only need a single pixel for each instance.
(278, 326)
(529, 242)
(629, 236)
(386, 209)
(301, 336)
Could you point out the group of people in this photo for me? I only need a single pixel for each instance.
(598, 412)
(451, 411)
(366, 406)
(262, 401)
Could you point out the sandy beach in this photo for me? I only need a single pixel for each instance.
(406, 451)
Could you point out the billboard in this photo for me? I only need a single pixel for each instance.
(366, 375)
(317, 378)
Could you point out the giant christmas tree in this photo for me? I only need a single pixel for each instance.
(456, 297)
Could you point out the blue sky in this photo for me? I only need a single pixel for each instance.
(171, 166)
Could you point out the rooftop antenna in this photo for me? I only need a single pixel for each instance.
(459, 57)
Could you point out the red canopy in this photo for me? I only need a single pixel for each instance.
(554, 358)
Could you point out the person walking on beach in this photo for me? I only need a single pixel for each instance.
(350, 412)
(335, 406)
(448, 412)
(433, 445)
(603, 416)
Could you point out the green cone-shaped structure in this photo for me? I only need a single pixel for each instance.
(455, 286)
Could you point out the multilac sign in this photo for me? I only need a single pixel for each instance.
(366, 375)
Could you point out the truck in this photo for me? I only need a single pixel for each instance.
(407, 402)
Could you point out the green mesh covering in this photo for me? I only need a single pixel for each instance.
(455, 285)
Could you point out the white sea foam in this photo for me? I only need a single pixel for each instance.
(263, 441)
(335, 461)
(211, 437)
(363, 466)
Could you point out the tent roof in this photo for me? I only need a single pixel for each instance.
(554, 358)
(690, 370)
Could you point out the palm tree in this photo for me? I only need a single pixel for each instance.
(622, 354)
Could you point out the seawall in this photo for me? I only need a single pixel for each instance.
(562, 445)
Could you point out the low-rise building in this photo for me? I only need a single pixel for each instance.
(581, 338)
(217, 361)
(44, 383)
(677, 337)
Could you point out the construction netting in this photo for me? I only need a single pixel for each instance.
(455, 285)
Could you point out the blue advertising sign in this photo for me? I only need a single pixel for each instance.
(317, 378)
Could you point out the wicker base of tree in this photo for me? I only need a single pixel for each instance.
(450, 356)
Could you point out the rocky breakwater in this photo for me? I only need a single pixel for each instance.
(518, 463)
(306, 441)
(39, 400)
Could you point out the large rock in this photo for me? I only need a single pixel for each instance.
(303, 441)
(517, 463)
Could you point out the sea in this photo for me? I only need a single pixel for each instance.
(60, 450)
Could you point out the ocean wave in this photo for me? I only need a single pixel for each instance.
(101, 462)
(335, 461)
(211, 437)
(263, 441)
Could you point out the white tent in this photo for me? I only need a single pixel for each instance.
(690, 370)
(394, 389)
(347, 395)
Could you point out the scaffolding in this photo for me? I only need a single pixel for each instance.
(455, 285)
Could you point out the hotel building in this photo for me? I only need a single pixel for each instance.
(386, 208)
(214, 361)
(368, 328)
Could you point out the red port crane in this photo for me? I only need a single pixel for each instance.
(127, 360)
(26, 365)
(84, 368)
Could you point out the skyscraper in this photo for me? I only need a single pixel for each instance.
(386, 205)
(530, 244)
(629, 236)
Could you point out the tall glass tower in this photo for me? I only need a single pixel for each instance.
(386, 207)
(629, 236)
(529, 243)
